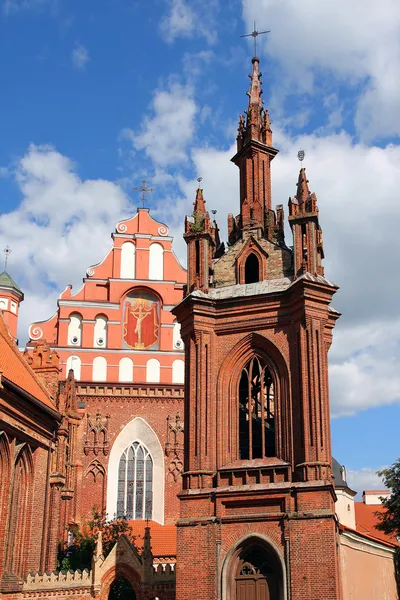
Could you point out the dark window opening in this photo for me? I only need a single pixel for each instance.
(252, 269)
(121, 589)
(197, 248)
(256, 411)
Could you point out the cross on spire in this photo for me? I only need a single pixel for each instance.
(7, 251)
(254, 34)
(143, 189)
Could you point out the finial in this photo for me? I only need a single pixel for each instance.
(7, 251)
(214, 212)
(254, 34)
(199, 179)
(300, 155)
(143, 189)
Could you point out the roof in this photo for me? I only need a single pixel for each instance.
(366, 520)
(163, 537)
(15, 368)
(338, 471)
(8, 282)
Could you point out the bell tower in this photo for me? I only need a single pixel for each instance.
(257, 516)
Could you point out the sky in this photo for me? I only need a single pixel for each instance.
(98, 95)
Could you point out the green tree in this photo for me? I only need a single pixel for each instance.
(80, 554)
(389, 520)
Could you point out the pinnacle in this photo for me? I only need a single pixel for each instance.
(303, 190)
(199, 203)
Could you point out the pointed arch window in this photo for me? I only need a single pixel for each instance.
(135, 483)
(252, 269)
(256, 411)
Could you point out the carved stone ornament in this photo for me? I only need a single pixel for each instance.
(96, 439)
(174, 446)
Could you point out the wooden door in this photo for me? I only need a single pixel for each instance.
(252, 583)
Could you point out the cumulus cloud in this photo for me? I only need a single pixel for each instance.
(186, 19)
(79, 57)
(364, 479)
(354, 43)
(62, 226)
(165, 133)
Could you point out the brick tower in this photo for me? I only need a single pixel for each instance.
(257, 506)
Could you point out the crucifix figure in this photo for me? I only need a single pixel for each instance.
(254, 34)
(143, 189)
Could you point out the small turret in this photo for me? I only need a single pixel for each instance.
(307, 233)
(10, 298)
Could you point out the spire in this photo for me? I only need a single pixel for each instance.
(199, 204)
(303, 190)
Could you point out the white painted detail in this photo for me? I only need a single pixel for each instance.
(35, 333)
(125, 369)
(122, 228)
(100, 332)
(13, 307)
(177, 342)
(344, 508)
(137, 430)
(99, 369)
(4, 303)
(128, 261)
(74, 363)
(178, 371)
(75, 330)
(156, 262)
(163, 230)
(153, 371)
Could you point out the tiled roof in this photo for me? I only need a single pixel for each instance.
(8, 282)
(15, 368)
(366, 521)
(163, 537)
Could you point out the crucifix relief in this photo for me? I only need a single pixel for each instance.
(141, 323)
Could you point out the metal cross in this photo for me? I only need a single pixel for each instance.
(254, 34)
(144, 189)
(300, 155)
(7, 251)
(199, 179)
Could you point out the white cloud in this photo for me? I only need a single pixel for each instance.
(14, 6)
(79, 57)
(165, 135)
(354, 42)
(364, 479)
(62, 226)
(186, 19)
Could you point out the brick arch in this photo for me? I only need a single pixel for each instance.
(272, 551)
(251, 345)
(116, 571)
(143, 288)
(251, 248)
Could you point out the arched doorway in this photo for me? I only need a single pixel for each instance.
(255, 577)
(121, 589)
(254, 570)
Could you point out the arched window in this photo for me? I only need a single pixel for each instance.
(19, 523)
(256, 411)
(178, 371)
(75, 330)
(125, 369)
(74, 363)
(135, 483)
(100, 332)
(252, 269)
(153, 371)
(127, 261)
(156, 262)
(99, 369)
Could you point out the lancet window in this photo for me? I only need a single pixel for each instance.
(256, 411)
(135, 483)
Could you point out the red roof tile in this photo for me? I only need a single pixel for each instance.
(163, 537)
(366, 520)
(16, 369)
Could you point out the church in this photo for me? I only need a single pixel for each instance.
(192, 403)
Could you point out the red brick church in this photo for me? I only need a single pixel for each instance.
(193, 403)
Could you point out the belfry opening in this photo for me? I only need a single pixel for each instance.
(256, 411)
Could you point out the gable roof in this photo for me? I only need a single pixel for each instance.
(366, 520)
(163, 537)
(15, 368)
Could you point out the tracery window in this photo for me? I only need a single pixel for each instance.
(135, 483)
(256, 411)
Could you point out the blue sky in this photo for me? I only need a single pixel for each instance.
(98, 95)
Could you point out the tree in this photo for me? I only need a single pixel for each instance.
(390, 518)
(80, 554)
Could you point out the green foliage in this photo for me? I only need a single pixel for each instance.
(390, 518)
(79, 556)
(198, 224)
